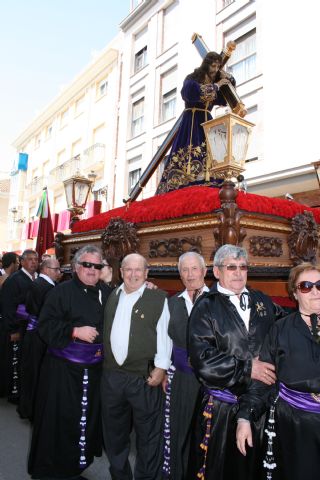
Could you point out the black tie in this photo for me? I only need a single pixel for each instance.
(243, 304)
(314, 323)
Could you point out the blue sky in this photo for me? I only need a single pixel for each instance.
(44, 44)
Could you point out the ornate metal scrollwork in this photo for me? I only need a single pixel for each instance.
(119, 238)
(261, 246)
(303, 241)
(229, 230)
(174, 247)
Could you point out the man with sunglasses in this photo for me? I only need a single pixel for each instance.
(67, 424)
(226, 330)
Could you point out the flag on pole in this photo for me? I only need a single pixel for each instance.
(45, 236)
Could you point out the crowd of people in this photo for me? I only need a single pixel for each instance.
(216, 381)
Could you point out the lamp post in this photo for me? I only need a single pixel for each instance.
(227, 139)
(317, 169)
(77, 189)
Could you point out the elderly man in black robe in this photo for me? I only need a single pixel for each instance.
(14, 314)
(226, 331)
(67, 423)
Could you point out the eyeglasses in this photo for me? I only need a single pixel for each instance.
(233, 268)
(96, 266)
(306, 286)
(54, 268)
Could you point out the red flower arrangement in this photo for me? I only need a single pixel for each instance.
(192, 201)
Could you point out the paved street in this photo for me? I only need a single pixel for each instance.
(14, 444)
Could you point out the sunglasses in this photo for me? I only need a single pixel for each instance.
(233, 268)
(306, 286)
(96, 266)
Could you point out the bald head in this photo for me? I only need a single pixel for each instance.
(51, 268)
(134, 271)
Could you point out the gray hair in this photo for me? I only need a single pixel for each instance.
(27, 252)
(87, 249)
(195, 255)
(127, 257)
(229, 251)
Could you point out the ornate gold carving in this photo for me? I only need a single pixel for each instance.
(265, 246)
(119, 238)
(303, 241)
(174, 247)
(230, 230)
(178, 226)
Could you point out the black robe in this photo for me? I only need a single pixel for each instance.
(32, 349)
(184, 392)
(13, 293)
(296, 355)
(55, 449)
(221, 351)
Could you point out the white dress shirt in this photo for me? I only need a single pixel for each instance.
(234, 298)
(188, 300)
(43, 275)
(120, 330)
(29, 274)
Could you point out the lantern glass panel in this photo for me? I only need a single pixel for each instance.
(80, 193)
(240, 135)
(217, 136)
(68, 187)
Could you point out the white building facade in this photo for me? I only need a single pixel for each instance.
(110, 121)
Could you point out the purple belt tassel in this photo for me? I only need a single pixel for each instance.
(166, 429)
(83, 421)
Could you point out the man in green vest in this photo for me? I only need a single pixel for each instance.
(137, 352)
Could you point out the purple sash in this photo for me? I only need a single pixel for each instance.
(180, 360)
(32, 323)
(88, 353)
(21, 312)
(309, 402)
(222, 395)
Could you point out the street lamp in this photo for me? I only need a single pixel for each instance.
(77, 189)
(227, 139)
(317, 169)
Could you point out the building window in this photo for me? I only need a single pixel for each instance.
(49, 132)
(137, 124)
(169, 105)
(64, 118)
(61, 157)
(102, 88)
(140, 59)
(242, 63)
(221, 4)
(37, 141)
(134, 176)
(79, 105)
(169, 32)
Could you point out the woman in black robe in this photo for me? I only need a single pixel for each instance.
(293, 345)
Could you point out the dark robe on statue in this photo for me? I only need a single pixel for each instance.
(187, 163)
(56, 451)
(32, 349)
(14, 291)
(291, 347)
(221, 351)
(184, 392)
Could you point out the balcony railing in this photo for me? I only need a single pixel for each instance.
(93, 156)
(66, 169)
(36, 185)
